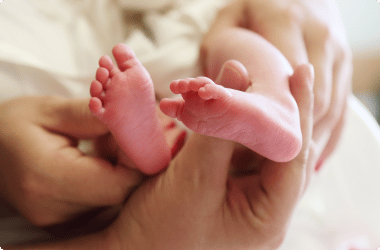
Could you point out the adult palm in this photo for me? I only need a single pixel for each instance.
(198, 204)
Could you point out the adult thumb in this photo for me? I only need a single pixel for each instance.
(203, 163)
(71, 117)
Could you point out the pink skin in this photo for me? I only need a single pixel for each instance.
(251, 105)
(123, 98)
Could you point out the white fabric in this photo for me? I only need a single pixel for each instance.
(341, 208)
(52, 47)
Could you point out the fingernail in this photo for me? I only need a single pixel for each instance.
(179, 143)
(171, 125)
(319, 165)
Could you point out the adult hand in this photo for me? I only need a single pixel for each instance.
(196, 204)
(304, 31)
(43, 173)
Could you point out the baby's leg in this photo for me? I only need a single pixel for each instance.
(123, 98)
(264, 118)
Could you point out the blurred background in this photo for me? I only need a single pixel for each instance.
(362, 23)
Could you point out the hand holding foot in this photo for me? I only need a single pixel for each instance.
(195, 204)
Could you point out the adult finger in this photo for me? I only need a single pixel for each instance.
(274, 192)
(71, 117)
(88, 181)
(321, 56)
(60, 180)
(327, 131)
(325, 38)
(283, 181)
(331, 142)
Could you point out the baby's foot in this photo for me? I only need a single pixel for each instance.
(261, 123)
(123, 98)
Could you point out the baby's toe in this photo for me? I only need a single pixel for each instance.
(96, 89)
(96, 106)
(183, 86)
(106, 62)
(102, 75)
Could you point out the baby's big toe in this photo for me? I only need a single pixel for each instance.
(123, 54)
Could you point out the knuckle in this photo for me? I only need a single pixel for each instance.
(322, 36)
(275, 237)
(324, 32)
(343, 54)
(292, 13)
(320, 33)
